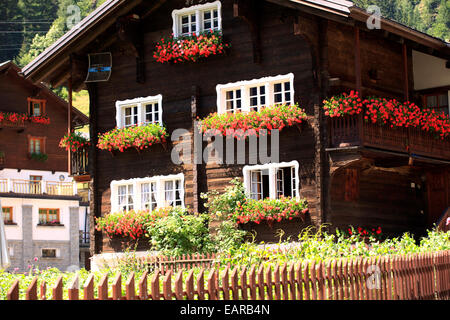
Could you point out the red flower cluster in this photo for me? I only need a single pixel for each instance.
(344, 104)
(73, 141)
(189, 48)
(22, 117)
(133, 224)
(139, 137)
(240, 125)
(389, 112)
(365, 232)
(270, 210)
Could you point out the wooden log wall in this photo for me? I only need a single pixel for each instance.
(282, 52)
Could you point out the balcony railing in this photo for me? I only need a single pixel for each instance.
(84, 239)
(38, 187)
(80, 162)
(353, 131)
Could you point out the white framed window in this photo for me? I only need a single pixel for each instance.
(125, 197)
(273, 180)
(147, 193)
(139, 111)
(252, 95)
(197, 19)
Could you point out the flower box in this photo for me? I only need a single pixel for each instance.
(388, 113)
(254, 123)
(136, 137)
(50, 224)
(190, 48)
(17, 120)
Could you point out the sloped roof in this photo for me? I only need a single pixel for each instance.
(343, 8)
(83, 119)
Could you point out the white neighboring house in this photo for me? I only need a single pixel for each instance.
(43, 219)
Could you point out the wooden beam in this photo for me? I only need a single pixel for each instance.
(195, 98)
(358, 81)
(249, 11)
(405, 71)
(69, 124)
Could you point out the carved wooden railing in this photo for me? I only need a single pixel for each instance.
(80, 161)
(353, 131)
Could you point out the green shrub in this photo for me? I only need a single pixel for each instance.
(180, 233)
(222, 205)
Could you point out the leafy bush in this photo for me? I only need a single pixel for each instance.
(322, 246)
(229, 237)
(222, 205)
(180, 233)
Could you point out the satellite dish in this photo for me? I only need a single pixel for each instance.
(100, 65)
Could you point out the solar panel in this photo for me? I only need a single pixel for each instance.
(100, 67)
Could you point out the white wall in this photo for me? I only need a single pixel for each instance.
(14, 232)
(429, 71)
(25, 175)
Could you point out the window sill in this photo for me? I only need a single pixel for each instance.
(50, 225)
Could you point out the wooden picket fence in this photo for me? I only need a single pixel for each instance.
(185, 262)
(414, 276)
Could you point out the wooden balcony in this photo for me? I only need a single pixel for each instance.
(351, 131)
(80, 164)
(51, 188)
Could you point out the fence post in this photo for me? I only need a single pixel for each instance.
(58, 289)
(212, 294)
(276, 281)
(234, 284)
(291, 273)
(31, 293)
(155, 286)
(201, 284)
(117, 287)
(190, 285)
(143, 292)
(179, 285)
(13, 292)
(252, 282)
(307, 281)
(284, 282)
(43, 290)
(130, 290)
(243, 277)
(89, 288)
(103, 288)
(269, 283)
(73, 291)
(167, 285)
(260, 278)
(225, 284)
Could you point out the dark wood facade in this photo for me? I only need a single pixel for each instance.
(359, 184)
(14, 141)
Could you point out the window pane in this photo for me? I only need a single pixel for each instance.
(431, 101)
(207, 15)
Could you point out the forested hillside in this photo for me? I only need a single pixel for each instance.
(429, 16)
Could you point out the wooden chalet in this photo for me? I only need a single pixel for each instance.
(350, 172)
(41, 205)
